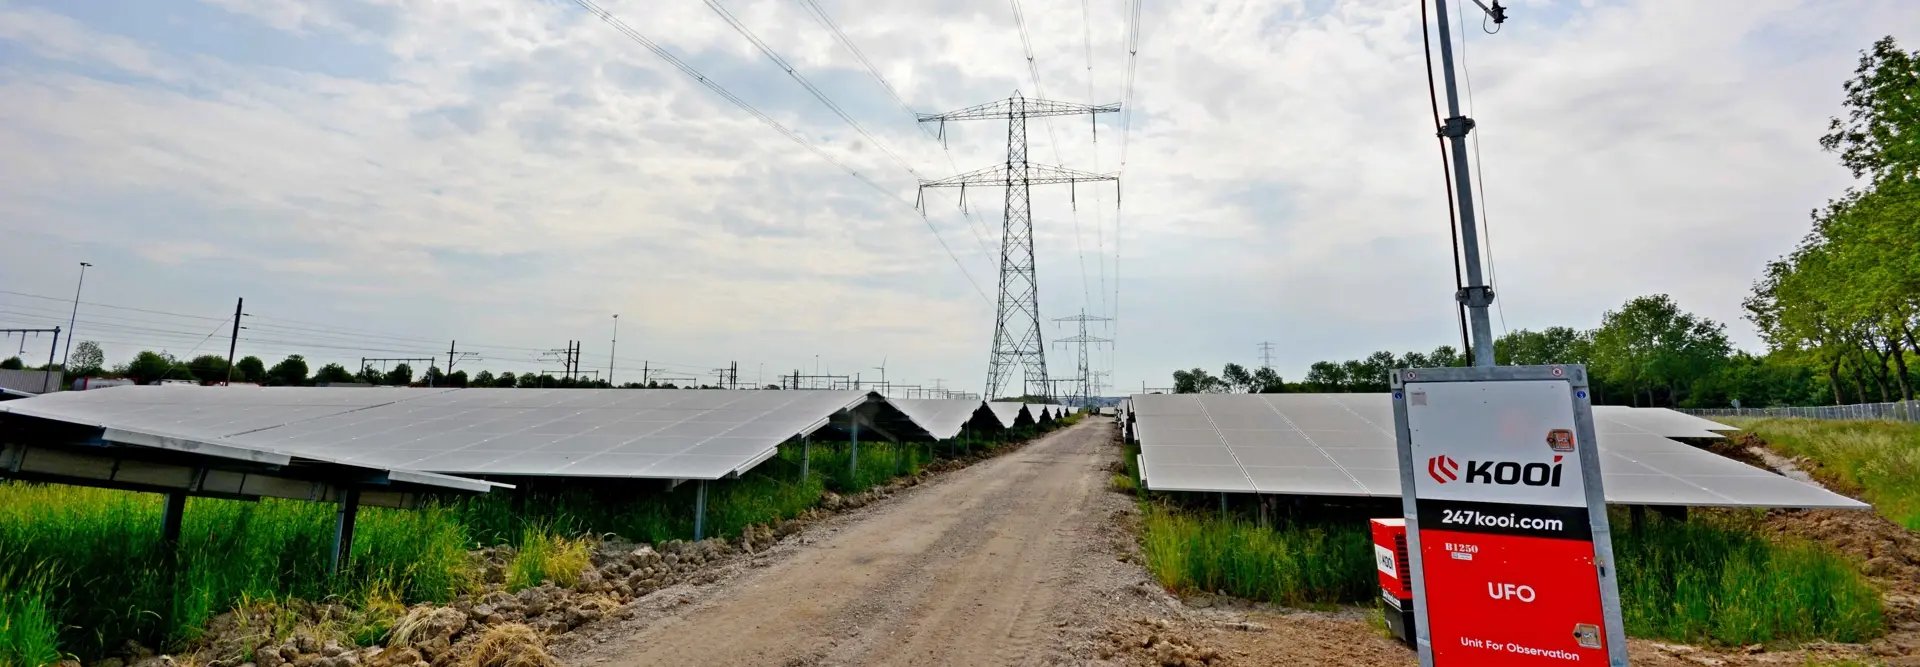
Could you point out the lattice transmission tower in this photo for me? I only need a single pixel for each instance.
(1085, 379)
(1016, 328)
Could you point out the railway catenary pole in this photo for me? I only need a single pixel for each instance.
(73, 316)
(233, 344)
(1476, 295)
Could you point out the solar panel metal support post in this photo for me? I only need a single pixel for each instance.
(1476, 295)
(343, 527)
(700, 511)
(853, 454)
(806, 457)
(1016, 329)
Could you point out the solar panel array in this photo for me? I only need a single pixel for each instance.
(1010, 412)
(1344, 445)
(669, 434)
(941, 418)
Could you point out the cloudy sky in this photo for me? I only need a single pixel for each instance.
(379, 177)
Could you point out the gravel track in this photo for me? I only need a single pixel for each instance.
(1002, 563)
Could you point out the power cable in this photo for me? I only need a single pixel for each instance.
(1446, 170)
(1480, 169)
(102, 305)
(974, 223)
(1053, 141)
(791, 135)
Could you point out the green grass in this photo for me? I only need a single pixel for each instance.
(1714, 580)
(29, 624)
(1879, 459)
(82, 569)
(543, 555)
(98, 556)
(1298, 566)
(1709, 580)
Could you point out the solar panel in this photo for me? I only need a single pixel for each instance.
(198, 424)
(942, 418)
(1011, 413)
(1343, 445)
(667, 433)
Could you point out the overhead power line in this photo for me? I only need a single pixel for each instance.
(974, 223)
(1053, 141)
(791, 135)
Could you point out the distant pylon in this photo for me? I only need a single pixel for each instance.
(1085, 379)
(1016, 327)
(1266, 355)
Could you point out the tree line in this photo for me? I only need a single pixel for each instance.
(1840, 313)
(150, 367)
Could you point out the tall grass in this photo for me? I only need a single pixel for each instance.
(105, 568)
(546, 556)
(1706, 580)
(29, 624)
(1715, 580)
(1880, 459)
(1296, 565)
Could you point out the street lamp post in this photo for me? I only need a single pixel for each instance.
(72, 317)
(611, 347)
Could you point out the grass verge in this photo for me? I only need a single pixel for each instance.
(1715, 580)
(1709, 580)
(1297, 565)
(96, 561)
(1879, 460)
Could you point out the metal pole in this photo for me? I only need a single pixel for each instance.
(700, 512)
(806, 456)
(614, 345)
(1476, 296)
(234, 343)
(170, 521)
(46, 378)
(853, 458)
(343, 528)
(71, 317)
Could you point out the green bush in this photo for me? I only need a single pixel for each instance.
(1881, 459)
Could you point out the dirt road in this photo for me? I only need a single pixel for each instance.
(997, 564)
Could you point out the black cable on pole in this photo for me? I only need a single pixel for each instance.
(1446, 170)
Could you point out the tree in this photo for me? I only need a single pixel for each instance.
(1267, 381)
(1878, 137)
(1236, 377)
(12, 364)
(208, 368)
(1651, 345)
(434, 377)
(290, 372)
(1197, 381)
(250, 369)
(332, 373)
(457, 379)
(87, 359)
(368, 375)
(400, 376)
(1327, 376)
(506, 380)
(484, 379)
(1552, 345)
(149, 367)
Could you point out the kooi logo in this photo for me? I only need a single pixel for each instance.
(1444, 469)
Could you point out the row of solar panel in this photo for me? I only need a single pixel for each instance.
(668, 434)
(1344, 445)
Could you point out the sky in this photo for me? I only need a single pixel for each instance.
(381, 178)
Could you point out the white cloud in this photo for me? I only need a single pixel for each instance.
(519, 170)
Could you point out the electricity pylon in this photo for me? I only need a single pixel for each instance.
(1016, 326)
(1086, 373)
